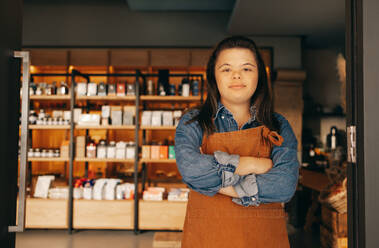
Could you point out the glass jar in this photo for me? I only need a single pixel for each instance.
(91, 150)
(111, 150)
(102, 149)
(37, 153)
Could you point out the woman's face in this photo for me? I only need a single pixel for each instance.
(236, 73)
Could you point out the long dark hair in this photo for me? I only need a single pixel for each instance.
(261, 99)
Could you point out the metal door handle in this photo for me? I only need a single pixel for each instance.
(20, 227)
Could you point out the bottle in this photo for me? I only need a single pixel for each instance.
(332, 138)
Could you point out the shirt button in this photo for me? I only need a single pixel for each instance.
(253, 198)
(222, 117)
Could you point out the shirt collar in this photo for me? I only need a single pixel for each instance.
(222, 109)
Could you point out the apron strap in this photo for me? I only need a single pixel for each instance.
(272, 136)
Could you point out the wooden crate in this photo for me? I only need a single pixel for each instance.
(334, 221)
(96, 214)
(162, 215)
(46, 213)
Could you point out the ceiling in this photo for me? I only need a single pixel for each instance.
(321, 22)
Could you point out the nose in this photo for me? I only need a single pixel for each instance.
(236, 75)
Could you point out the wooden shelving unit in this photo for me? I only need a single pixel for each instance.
(167, 161)
(51, 127)
(117, 127)
(170, 98)
(50, 98)
(158, 128)
(105, 160)
(48, 159)
(106, 98)
(92, 214)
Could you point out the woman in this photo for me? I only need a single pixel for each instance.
(229, 153)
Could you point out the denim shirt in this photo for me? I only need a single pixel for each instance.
(206, 173)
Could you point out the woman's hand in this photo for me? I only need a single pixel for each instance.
(253, 165)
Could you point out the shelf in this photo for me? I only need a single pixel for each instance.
(164, 214)
(48, 159)
(158, 128)
(170, 98)
(168, 161)
(103, 214)
(46, 213)
(51, 98)
(49, 127)
(106, 127)
(107, 98)
(105, 160)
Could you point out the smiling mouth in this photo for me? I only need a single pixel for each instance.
(237, 86)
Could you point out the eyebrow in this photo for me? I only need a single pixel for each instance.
(250, 64)
(222, 65)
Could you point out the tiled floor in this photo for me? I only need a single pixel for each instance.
(122, 239)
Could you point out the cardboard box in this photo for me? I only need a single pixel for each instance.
(163, 152)
(65, 148)
(146, 152)
(154, 152)
(120, 89)
(80, 146)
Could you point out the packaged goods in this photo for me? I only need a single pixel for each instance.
(146, 118)
(168, 118)
(178, 194)
(120, 89)
(89, 119)
(42, 186)
(171, 152)
(111, 89)
(130, 150)
(65, 149)
(153, 194)
(98, 189)
(92, 89)
(102, 89)
(77, 113)
(80, 146)
(120, 150)
(116, 115)
(59, 193)
(111, 150)
(81, 89)
(163, 152)
(91, 150)
(105, 111)
(156, 119)
(155, 150)
(146, 152)
(110, 188)
(102, 149)
(177, 115)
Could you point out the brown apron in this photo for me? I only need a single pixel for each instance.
(218, 222)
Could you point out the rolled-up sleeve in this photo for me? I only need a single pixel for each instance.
(199, 171)
(279, 184)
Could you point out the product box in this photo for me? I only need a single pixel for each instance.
(146, 152)
(176, 116)
(65, 149)
(146, 118)
(102, 89)
(77, 113)
(80, 146)
(156, 119)
(57, 114)
(67, 115)
(163, 152)
(105, 111)
(154, 152)
(89, 119)
(167, 118)
(111, 89)
(129, 115)
(120, 150)
(120, 89)
(116, 115)
(81, 89)
(171, 152)
(92, 89)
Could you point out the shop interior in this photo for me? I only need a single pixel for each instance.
(109, 81)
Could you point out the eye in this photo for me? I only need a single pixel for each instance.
(225, 70)
(247, 69)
